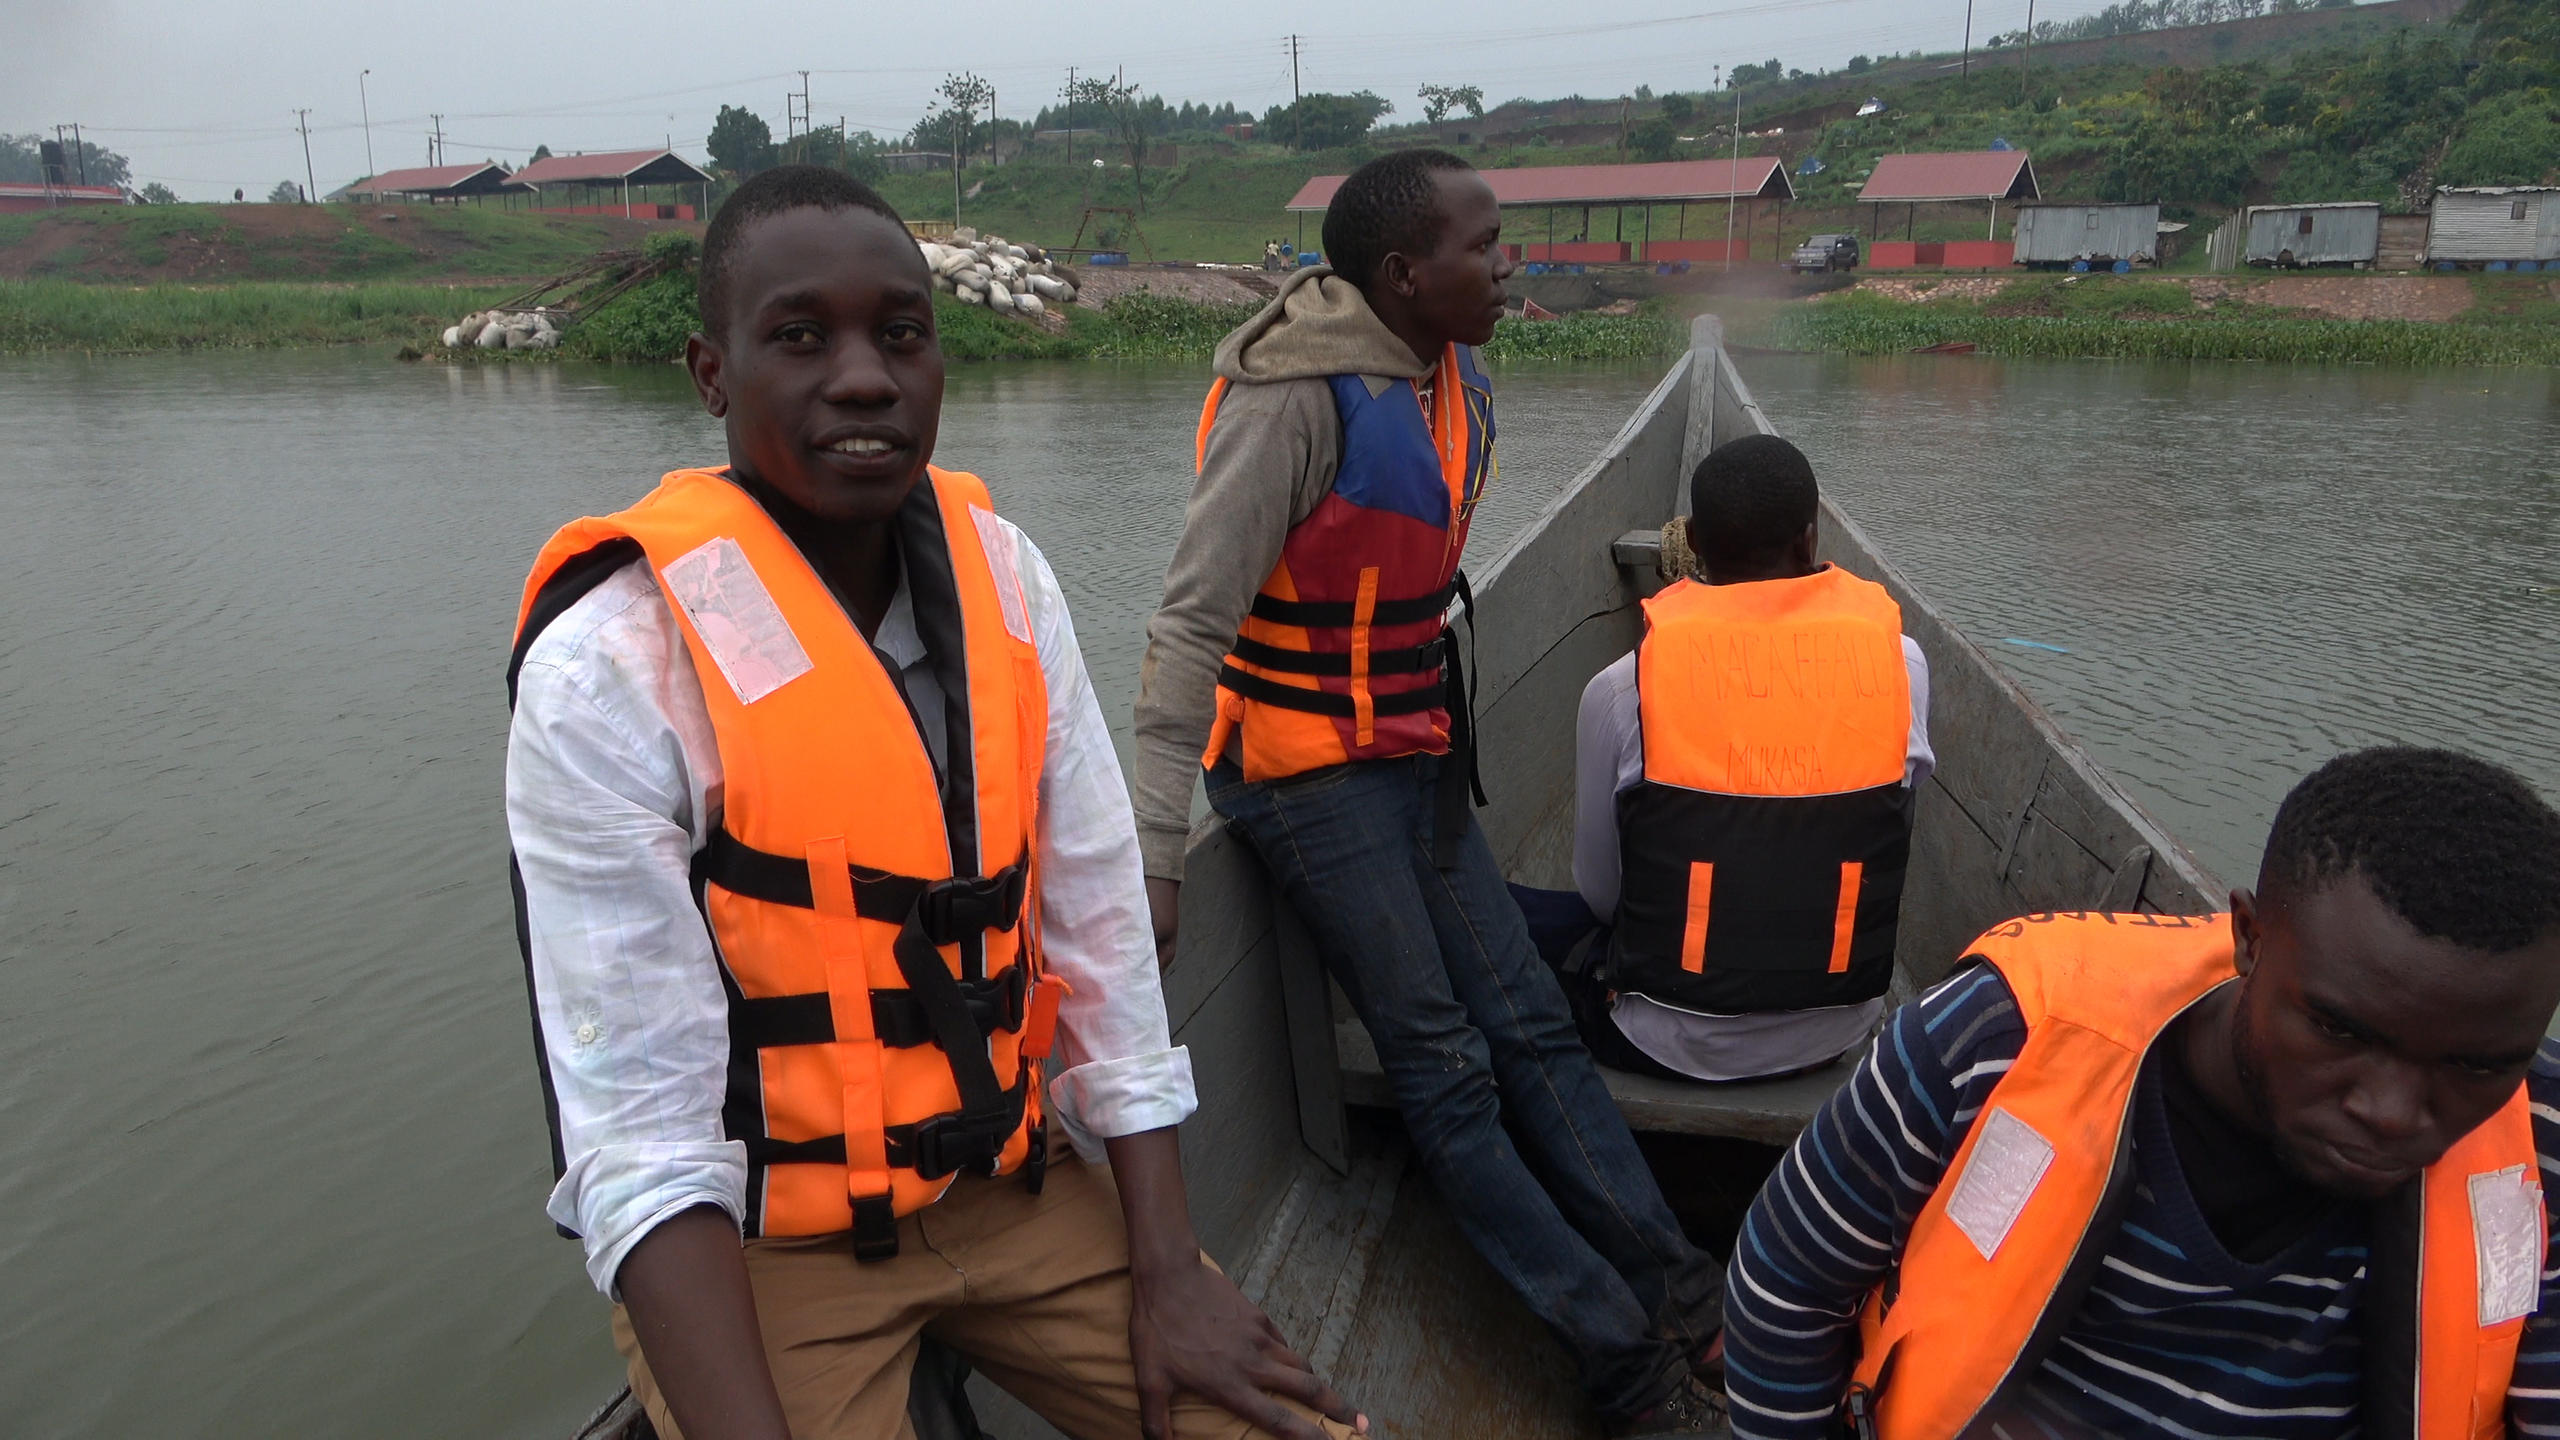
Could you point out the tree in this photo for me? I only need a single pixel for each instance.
(963, 95)
(22, 162)
(540, 152)
(1754, 74)
(740, 143)
(1652, 140)
(1439, 100)
(1325, 122)
(1677, 108)
(1124, 117)
(287, 192)
(156, 193)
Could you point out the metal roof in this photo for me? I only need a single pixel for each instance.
(1666, 182)
(82, 194)
(2495, 189)
(616, 167)
(2322, 205)
(1966, 175)
(481, 179)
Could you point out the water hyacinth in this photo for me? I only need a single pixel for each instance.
(1865, 326)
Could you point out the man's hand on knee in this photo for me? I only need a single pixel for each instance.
(1190, 1329)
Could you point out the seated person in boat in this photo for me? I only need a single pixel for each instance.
(1744, 783)
(789, 735)
(2279, 1172)
(1302, 658)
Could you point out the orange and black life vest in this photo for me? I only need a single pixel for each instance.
(875, 921)
(1762, 854)
(1999, 1260)
(1345, 654)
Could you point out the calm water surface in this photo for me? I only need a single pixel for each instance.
(271, 1157)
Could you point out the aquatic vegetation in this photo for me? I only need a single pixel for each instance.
(64, 315)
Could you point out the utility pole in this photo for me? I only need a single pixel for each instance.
(366, 102)
(1967, 67)
(302, 122)
(2026, 52)
(1071, 120)
(1297, 117)
(80, 152)
(1733, 180)
(795, 111)
(435, 152)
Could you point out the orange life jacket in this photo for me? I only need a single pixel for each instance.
(1999, 1258)
(874, 922)
(1344, 654)
(1763, 852)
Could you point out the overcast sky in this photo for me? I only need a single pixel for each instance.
(200, 94)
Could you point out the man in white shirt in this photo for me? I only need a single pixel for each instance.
(730, 1024)
(1754, 504)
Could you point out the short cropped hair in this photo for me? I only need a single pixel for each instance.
(1749, 499)
(2461, 849)
(1390, 204)
(765, 194)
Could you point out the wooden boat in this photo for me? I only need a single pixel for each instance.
(1299, 1183)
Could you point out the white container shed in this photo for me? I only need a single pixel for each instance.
(2100, 234)
(2501, 224)
(2346, 232)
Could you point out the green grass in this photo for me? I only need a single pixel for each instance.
(212, 244)
(1872, 325)
(56, 315)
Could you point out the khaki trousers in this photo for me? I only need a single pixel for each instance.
(1034, 1290)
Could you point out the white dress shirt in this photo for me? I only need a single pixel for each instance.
(614, 781)
(1609, 759)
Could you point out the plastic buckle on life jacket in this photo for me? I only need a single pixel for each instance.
(963, 905)
(875, 1228)
(1858, 1413)
(959, 1141)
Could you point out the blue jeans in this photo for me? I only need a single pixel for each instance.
(1469, 1024)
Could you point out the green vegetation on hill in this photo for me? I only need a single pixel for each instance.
(56, 315)
(219, 243)
(2512, 322)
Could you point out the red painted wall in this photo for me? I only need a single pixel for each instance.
(1978, 254)
(639, 210)
(1580, 252)
(1694, 250)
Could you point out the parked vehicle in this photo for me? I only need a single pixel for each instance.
(1826, 253)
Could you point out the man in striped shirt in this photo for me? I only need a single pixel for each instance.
(2394, 974)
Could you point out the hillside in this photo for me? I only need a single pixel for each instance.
(219, 243)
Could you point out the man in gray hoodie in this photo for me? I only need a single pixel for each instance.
(1301, 656)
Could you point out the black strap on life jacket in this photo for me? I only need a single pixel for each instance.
(1340, 614)
(952, 1014)
(1463, 779)
(1412, 660)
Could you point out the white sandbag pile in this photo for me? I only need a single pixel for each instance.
(977, 270)
(504, 330)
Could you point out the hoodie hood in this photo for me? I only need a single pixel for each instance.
(1319, 324)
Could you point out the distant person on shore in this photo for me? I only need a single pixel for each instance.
(781, 733)
(2278, 1173)
(1302, 657)
(1744, 789)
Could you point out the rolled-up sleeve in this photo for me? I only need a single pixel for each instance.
(626, 991)
(1119, 1072)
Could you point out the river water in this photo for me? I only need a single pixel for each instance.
(271, 1154)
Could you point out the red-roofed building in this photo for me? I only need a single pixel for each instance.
(17, 196)
(434, 182)
(605, 182)
(1985, 176)
(1583, 188)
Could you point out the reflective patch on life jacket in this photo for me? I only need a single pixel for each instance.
(1998, 1179)
(999, 549)
(2506, 1229)
(734, 614)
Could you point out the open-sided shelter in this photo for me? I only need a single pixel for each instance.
(432, 183)
(1981, 176)
(1578, 190)
(602, 184)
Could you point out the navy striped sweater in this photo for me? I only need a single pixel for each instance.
(2176, 1337)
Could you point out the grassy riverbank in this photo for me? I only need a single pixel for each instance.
(2109, 318)
(59, 315)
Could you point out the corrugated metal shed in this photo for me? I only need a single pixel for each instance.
(2347, 232)
(2059, 234)
(616, 167)
(2506, 222)
(1969, 175)
(1668, 183)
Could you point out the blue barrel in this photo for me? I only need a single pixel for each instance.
(2123, 267)
(1309, 257)
(2079, 267)
(1108, 257)
(2529, 266)
(2496, 267)
(2444, 267)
